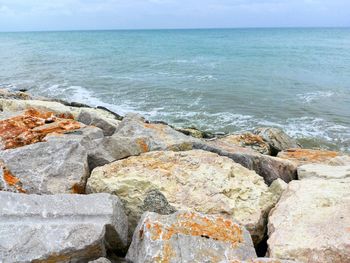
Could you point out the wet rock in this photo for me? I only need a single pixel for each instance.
(323, 171)
(311, 222)
(307, 156)
(277, 139)
(189, 237)
(44, 168)
(247, 140)
(32, 126)
(196, 179)
(268, 167)
(60, 228)
(89, 117)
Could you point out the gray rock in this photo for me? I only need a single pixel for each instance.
(268, 167)
(100, 260)
(323, 171)
(90, 117)
(156, 202)
(189, 237)
(45, 168)
(277, 139)
(60, 228)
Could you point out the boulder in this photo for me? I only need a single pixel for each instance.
(6, 94)
(277, 139)
(198, 180)
(60, 228)
(311, 222)
(265, 260)
(194, 132)
(340, 160)
(307, 156)
(189, 237)
(45, 168)
(270, 168)
(247, 140)
(323, 171)
(90, 117)
(100, 260)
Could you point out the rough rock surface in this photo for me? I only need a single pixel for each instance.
(247, 140)
(60, 228)
(45, 168)
(307, 156)
(199, 180)
(323, 171)
(5, 94)
(100, 260)
(311, 222)
(32, 126)
(265, 260)
(189, 237)
(340, 160)
(270, 168)
(277, 139)
(194, 132)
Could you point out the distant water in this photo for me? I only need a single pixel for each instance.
(219, 80)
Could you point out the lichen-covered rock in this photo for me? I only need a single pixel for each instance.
(247, 140)
(189, 237)
(323, 171)
(60, 228)
(311, 222)
(44, 168)
(277, 139)
(270, 168)
(194, 132)
(31, 127)
(307, 156)
(198, 180)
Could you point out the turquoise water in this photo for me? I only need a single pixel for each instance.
(219, 80)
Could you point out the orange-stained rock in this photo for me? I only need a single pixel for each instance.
(32, 126)
(189, 237)
(305, 156)
(9, 181)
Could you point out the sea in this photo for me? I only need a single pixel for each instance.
(218, 80)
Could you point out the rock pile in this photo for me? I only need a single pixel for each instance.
(83, 184)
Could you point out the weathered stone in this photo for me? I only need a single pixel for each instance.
(31, 127)
(311, 222)
(90, 117)
(156, 202)
(45, 168)
(198, 180)
(270, 168)
(100, 260)
(278, 187)
(194, 132)
(247, 140)
(323, 171)
(60, 228)
(277, 139)
(307, 156)
(5, 94)
(265, 260)
(189, 237)
(340, 160)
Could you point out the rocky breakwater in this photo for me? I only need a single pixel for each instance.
(80, 184)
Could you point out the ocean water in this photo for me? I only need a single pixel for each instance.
(226, 80)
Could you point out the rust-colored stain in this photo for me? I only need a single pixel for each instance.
(11, 180)
(78, 189)
(31, 127)
(143, 145)
(308, 155)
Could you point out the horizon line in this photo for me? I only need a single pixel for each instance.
(160, 29)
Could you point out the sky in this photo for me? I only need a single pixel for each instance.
(33, 15)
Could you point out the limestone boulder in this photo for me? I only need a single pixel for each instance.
(6, 94)
(270, 168)
(189, 237)
(60, 228)
(198, 180)
(277, 139)
(323, 171)
(311, 222)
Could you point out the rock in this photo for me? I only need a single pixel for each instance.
(198, 180)
(277, 139)
(100, 260)
(268, 167)
(156, 202)
(323, 171)
(45, 168)
(266, 260)
(189, 237)
(89, 117)
(247, 140)
(307, 156)
(278, 187)
(31, 127)
(339, 160)
(194, 132)
(60, 228)
(5, 94)
(311, 222)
